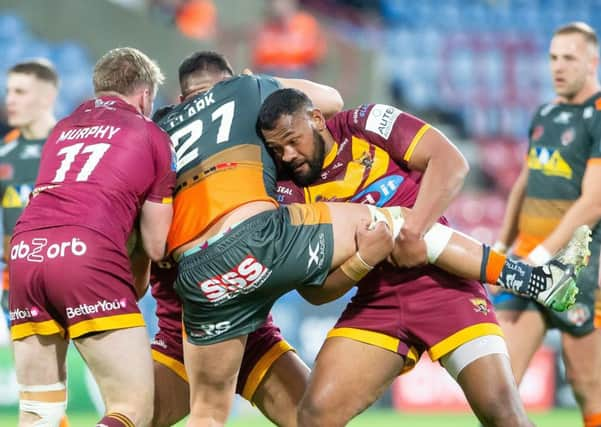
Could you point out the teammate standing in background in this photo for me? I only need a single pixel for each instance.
(31, 91)
(88, 194)
(558, 190)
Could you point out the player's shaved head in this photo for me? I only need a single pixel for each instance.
(584, 30)
(282, 102)
(199, 67)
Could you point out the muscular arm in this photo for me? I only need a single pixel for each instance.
(509, 229)
(139, 262)
(325, 98)
(586, 209)
(155, 219)
(445, 170)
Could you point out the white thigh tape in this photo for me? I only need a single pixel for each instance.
(456, 360)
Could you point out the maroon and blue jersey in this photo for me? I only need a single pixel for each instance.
(369, 161)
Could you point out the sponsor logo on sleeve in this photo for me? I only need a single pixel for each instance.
(381, 119)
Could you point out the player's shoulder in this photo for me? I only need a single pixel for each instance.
(375, 118)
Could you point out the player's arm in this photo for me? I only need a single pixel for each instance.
(139, 262)
(373, 246)
(155, 220)
(325, 98)
(157, 211)
(509, 228)
(585, 210)
(444, 170)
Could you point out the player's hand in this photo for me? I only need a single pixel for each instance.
(409, 250)
(248, 72)
(375, 244)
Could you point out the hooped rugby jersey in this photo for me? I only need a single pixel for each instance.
(222, 162)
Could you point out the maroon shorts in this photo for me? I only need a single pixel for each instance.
(263, 347)
(69, 280)
(417, 310)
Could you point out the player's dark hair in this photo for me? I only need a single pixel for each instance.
(42, 69)
(204, 62)
(162, 112)
(282, 102)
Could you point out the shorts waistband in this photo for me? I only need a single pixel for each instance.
(223, 240)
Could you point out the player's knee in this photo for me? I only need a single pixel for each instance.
(46, 402)
(584, 385)
(322, 409)
(138, 407)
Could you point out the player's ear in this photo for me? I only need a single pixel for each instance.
(319, 121)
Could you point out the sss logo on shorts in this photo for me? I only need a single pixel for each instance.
(38, 249)
(242, 279)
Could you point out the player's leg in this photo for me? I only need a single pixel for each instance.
(348, 376)
(272, 376)
(279, 394)
(524, 330)
(582, 358)
(121, 364)
(552, 285)
(485, 377)
(171, 396)
(212, 370)
(41, 374)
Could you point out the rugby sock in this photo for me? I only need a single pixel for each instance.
(521, 277)
(64, 422)
(493, 263)
(592, 420)
(115, 419)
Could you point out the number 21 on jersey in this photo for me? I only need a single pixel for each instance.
(184, 138)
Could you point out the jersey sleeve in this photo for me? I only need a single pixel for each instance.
(288, 192)
(165, 164)
(388, 127)
(267, 85)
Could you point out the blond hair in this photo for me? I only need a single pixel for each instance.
(124, 69)
(581, 28)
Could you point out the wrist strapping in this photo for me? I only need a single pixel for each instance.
(355, 268)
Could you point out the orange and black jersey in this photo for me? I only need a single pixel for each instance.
(563, 140)
(221, 160)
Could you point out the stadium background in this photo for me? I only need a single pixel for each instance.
(475, 68)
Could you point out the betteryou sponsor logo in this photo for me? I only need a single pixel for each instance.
(101, 306)
(23, 313)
